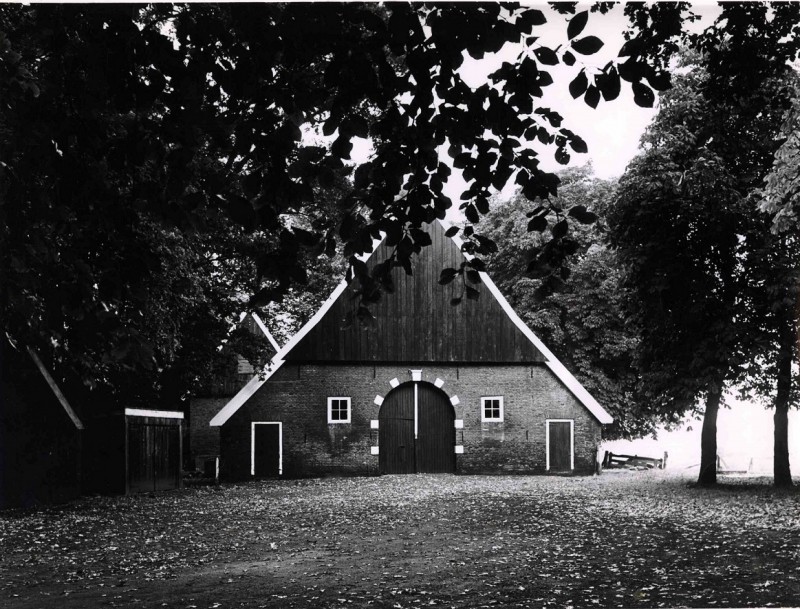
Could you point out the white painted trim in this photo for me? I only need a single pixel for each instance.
(501, 418)
(416, 375)
(394, 383)
(253, 445)
(374, 424)
(459, 449)
(459, 423)
(455, 401)
(439, 383)
(56, 390)
(374, 450)
(245, 393)
(378, 400)
(266, 332)
(416, 411)
(552, 362)
(571, 441)
(161, 414)
(349, 409)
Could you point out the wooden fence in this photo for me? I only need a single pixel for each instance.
(612, 461)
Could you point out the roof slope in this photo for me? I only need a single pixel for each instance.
(417, 323)
(405, 314)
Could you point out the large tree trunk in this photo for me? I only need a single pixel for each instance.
(781, 470)
(708, 441)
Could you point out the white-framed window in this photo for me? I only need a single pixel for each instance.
(338, 410)
(492, 408)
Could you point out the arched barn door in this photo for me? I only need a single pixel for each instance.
(417, 431)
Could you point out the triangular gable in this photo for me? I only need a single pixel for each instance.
(322, 338)
(416, 322)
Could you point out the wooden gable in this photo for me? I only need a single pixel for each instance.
(417, 323)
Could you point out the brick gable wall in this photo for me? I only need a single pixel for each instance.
(297, 396)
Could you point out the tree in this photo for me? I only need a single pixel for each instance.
(779, 199)
(581, 317)
(781, 195)
(122, 124)
(696, 246)
(170, 114)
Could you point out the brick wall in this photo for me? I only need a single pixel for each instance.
(203, 440)
(297, 396)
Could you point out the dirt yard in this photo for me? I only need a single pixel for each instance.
(622, 539)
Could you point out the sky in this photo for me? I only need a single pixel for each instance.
(612, 130)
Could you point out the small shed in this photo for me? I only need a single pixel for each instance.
(134, 451)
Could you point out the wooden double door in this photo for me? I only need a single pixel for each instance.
(416, 431)
(154, 456)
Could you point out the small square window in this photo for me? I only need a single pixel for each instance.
(338, 410)
(492, 408)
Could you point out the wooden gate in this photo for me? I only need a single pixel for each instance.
(559, 446)
(154, 454)
(416, 431)
(266, 450)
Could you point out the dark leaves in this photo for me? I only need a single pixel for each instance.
(660, 81)
(264, 296)
(578, 85)
(546, 56)
(592, 97)
(560, 229)
(576, 24)
(342, 147)
(588, 45)
(582, 215)
(487, 245)
(643, 95)
(537, 223)
(529, 18)
(471, 212)
(241, 211)
(578, 144)
(304, 237)
(609, 84)
(447, 276)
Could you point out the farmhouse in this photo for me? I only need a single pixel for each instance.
(428, 387)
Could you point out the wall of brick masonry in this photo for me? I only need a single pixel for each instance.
(296, 395)
(204, 440)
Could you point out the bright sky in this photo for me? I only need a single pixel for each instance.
(613, 129)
